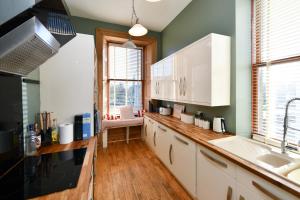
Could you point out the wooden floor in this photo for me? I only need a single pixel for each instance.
(129, 172)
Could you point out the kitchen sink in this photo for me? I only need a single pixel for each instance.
(294, 175)
(273, 160)
(262, 155)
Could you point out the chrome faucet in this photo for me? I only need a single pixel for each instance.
(286, 124)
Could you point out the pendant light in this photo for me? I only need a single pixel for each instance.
(136, 28)
(129, 44)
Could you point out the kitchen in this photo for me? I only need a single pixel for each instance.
(144, 99)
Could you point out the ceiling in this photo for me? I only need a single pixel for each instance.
(154, 16)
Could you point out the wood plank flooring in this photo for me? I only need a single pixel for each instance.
(133, 172)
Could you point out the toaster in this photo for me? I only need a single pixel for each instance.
(164, 111)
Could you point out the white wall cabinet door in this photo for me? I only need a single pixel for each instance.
(198, 77)
(201, 73)
(213, 182)
(181, 67)
(169, 78)
(183, 157)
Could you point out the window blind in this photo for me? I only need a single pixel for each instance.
(276, 67)
(124, 78)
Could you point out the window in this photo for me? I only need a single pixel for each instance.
(276, 67)
(124, 78)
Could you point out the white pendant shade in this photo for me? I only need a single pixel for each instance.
(138, 30)
(129, 45)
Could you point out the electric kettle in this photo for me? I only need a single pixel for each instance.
(219, 125)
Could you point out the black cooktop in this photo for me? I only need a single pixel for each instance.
(40, 175)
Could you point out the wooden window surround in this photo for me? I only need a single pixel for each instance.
(103, 38)
(273, 29)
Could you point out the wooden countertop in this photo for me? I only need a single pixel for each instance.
(82, 188)
(202, 137)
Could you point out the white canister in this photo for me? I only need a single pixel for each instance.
(206, 125)
(200, 124)
(197, 121)
(65, 133)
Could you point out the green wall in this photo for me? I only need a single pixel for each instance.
(88, 26)
(232, 18)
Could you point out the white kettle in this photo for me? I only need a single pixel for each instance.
(219, 125)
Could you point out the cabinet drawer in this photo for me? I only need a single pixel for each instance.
(261, 187)
(221, 163)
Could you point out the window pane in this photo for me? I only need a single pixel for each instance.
(125, 93)
(279, 28)
(125, 63)
(278, 84)
(134, 95)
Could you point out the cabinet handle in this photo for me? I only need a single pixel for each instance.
(164, 130)
(229, 193)
(242, 198)
(170, 152)
(265, 191)
(184, 86)
(222, 164)
(146, 130)
(181, 140)
(154, 138)
(180, 86)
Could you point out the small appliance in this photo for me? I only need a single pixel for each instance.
(165, 111)
(78, 130)
(187, 118)
(219, 125)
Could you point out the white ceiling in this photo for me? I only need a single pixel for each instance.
(154, 16)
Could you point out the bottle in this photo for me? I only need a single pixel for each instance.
(54, 133)
(30, 141)
(38, 138)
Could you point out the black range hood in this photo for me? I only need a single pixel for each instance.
(33, 36)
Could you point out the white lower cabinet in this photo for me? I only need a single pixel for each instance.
(183, 157)
(205, 174)
(164, 142)
(177, 152)
(149, 131)
(218, 178)
(252, 187)
(214, 180)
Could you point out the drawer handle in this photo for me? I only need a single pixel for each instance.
(242, 198)
(170, 152)
(181, 140)
(164, 130)
(265, 191)
(222, 164)
(154, 139)
(229, 193)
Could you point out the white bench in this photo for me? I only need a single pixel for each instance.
(120, 123)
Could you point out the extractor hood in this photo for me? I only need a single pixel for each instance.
(33, 36)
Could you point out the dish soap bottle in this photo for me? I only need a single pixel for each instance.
(54, 133)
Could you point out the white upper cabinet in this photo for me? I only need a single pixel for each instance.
(197, 74)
